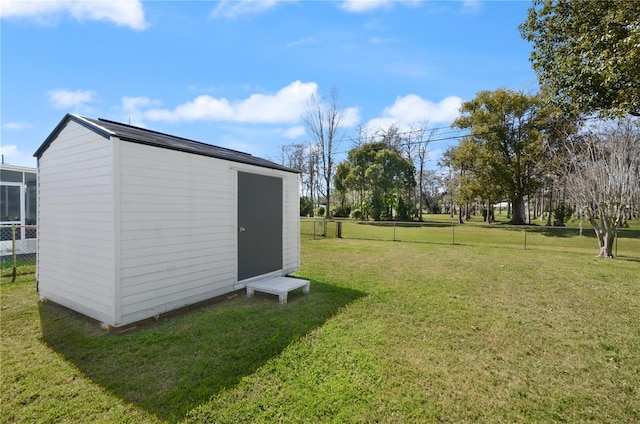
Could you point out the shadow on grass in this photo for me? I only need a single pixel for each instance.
(560, 232)
(170, 367)
(568, 232)
(404, 224)
(628, 258)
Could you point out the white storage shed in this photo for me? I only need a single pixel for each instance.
(133, 223)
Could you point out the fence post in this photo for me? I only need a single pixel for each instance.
(13, 252)
(453, 233)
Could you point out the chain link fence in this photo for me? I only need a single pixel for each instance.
(18, 242)
(17, 250)
(583, 240)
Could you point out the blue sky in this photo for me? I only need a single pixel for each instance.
(239, 74)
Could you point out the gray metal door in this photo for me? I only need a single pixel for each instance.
(259, 225)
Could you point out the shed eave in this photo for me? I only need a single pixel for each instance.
(253, 162)
(109, 129)
(61, 125)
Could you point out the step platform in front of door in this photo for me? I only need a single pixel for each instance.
(280, 286)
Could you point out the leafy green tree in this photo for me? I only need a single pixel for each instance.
(587, 53)
(350, 174)
(305, 206)
(379, 174)
(504, 128)
(474, 176)
(389, 176)
(461, 183)
(342, 172)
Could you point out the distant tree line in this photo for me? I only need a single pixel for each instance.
(571, 150)
(384, 177)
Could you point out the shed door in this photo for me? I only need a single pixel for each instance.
(259, 225)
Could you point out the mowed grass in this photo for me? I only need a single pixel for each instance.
(442, 229)
(391, 332)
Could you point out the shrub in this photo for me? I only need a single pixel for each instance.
(305, 206)
(403, 210)
(376, 207)
(342, 211)
(562, 214)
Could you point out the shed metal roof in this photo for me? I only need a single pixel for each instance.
(148, 137)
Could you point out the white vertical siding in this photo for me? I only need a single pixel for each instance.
(291, 224)
(75, 222)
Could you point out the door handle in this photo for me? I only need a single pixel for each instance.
(241, 229)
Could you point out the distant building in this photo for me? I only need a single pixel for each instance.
(18, 207)
(18, 194)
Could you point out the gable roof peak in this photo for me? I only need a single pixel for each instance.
(133, 134)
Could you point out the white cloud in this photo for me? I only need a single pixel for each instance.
(132, 108)
(10, 150)
(40, 11)
(364, 5)
(351, 117)
(412, 108)
(294, 132)
(360, 6)
(68, 99)
(285, 106)
(12, 155)
(127, 13)
(134, 104)
(232, 9)
(302, 42)
(471, 6)
(16, 126)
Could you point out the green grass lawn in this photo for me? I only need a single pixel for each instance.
(442, 229)
(391, 332)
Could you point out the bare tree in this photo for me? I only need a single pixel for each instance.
(603, 177)
(421, 136)
(363, 137)
(293, 156)
(312, 174)
(412, 143)
(323, 121)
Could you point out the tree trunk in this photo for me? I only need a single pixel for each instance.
(517, 211)
(606, 236)
(420, 188)
(606, 251)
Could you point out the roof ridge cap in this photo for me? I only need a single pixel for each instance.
(173, 136)
(90, 122)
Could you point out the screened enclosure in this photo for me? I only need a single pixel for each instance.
(18, 207)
